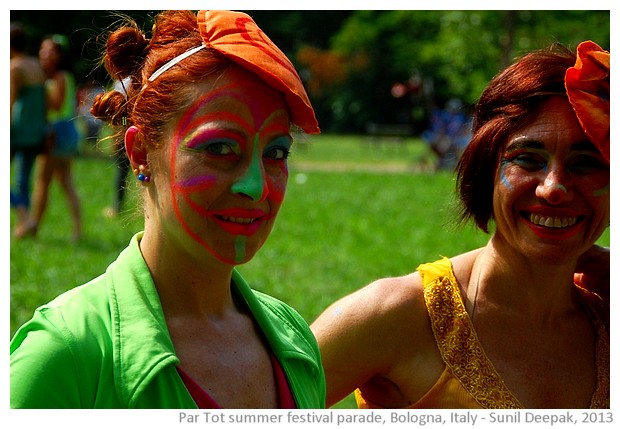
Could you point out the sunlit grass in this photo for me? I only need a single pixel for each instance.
(355, 210)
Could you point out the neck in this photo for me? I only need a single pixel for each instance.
(188, 285)
(512, 281)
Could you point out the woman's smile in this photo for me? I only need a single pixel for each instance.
(239, 221)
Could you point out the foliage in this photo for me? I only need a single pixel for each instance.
(351, 59)
(454, 54)
(473, 46)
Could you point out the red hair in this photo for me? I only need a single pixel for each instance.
(130, 54)
(509, 102)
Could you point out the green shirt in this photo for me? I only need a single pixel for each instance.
(106, 344)
(28, 121)
(67, 111)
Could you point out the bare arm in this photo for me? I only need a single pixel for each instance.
(370, 335)
(16, 82)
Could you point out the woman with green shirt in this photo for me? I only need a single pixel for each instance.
(171, 324)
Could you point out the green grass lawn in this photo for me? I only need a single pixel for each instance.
(356, 210)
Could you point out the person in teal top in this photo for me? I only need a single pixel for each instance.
(208, 124)
(28, 120)
(62, 144)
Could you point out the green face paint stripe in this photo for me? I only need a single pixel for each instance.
(252, 182)
(602, 191)
(240, 248)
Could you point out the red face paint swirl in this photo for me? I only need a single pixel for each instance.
(228, 170)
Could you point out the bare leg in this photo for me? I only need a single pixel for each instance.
(43, 178)
(63, 172)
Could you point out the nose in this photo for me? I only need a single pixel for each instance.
(251, 182)
(555, 187)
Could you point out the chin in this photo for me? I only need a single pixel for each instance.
(237, 256)
(554, 255)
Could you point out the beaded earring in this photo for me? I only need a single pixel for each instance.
(142, 174)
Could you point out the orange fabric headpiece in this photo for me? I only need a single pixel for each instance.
(587, 87)
(236, 36)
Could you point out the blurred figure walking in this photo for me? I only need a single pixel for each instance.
(63, 146)
(121, 161)
(28, 120)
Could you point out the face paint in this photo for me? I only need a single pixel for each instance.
(252, 183)
(601, 192)
(240, 248)
(275, 156)
(229, 145)
(544, 200)
(502, 174)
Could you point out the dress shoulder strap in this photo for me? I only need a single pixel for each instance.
(457, 340)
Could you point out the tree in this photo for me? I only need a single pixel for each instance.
(435, 55)
(455, 52)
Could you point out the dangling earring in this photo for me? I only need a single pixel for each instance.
(143, 173)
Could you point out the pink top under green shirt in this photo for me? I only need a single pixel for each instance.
(205, 401)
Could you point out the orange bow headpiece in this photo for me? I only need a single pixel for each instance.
(236, 36)
(587, 87)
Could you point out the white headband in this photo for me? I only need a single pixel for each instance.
(173, 61)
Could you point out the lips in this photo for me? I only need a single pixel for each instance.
(239, 221)
(555, 224)
(552, 222)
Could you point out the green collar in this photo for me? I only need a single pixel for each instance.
(142, 344)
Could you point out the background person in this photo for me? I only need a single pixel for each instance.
(28, 120)
(503, 326)
(64, 138)
(123, 166)
(172, 324)
(448, 134)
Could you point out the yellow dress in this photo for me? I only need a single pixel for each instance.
(469, 379)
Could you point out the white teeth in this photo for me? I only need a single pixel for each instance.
(552, 222)
(238, 219)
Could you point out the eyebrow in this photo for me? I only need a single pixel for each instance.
(521, 143)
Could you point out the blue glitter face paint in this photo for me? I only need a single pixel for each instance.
(502, 173)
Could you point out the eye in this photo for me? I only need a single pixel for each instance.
(529, 161)
(217, 148)
(279, 149)
(585, 164)
(214, 147)
(277, 153)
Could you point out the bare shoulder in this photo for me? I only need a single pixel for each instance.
(16, 66)
(388, 303)
(462, 266)
(380, 339)
(399, 299)
(388, 300)
(364, 335)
